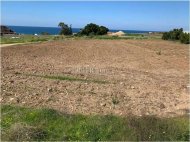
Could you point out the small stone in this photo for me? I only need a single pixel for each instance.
(50, 89)
(11, 99)
(132, 87)
(34, 72)
(35, 94)
(162, 106)
(103, 104)
(12, 81)
(14, 100)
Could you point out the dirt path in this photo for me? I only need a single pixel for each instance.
(12, 44)
(144, 77)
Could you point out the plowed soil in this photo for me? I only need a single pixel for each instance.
(142, 77)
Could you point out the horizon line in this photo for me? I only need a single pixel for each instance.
(82, 28)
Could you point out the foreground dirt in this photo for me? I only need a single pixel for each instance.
(144, 77)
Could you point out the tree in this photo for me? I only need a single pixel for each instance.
(93, 29)
(102, 30)
(65, 29)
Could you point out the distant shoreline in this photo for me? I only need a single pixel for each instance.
(55, 30)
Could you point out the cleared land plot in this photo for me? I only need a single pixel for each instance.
(120, 77)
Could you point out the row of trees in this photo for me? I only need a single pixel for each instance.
(177, 34)
(89, 29)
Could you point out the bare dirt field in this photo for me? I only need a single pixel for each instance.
(120, 77)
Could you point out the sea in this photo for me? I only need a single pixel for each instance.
(56, 30)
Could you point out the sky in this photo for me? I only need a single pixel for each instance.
(125, 15)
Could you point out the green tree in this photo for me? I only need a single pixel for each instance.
(102, 30)
(65, 29)
(93, 29)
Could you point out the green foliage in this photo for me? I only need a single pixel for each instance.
(166, 36)
(68, 78)
(65, 29)
(93, 29)
(185, 38)
(50, 125)
(176, 34)
(115, 101)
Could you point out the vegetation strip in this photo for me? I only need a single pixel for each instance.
(24, 124)
(67, 78)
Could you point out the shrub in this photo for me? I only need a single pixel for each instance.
(185, 38)
(176, 34)
(166, 36)
(93, 29)
(102, 30)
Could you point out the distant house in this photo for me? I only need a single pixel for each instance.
(6, 31)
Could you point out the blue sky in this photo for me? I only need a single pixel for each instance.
(161, 16)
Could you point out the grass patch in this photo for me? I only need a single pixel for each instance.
(8, 39)
(106, 37)
(48, 124)
(25, 38)
(68, 78)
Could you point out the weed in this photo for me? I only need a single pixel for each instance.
(115, 101)
(19, 123)
(68, 78)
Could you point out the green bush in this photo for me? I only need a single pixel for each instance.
(166, 36)
(176, 34)
(93, 29)
(185, 38)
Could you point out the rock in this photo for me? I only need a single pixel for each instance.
(162, 106)
(50, 90)
(14, 100)
(12, 81)
(103, 104)
(11, 99)
(132, 87)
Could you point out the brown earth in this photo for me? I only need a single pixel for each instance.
(144, 77)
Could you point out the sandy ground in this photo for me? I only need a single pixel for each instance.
(144, 77)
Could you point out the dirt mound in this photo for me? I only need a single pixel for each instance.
(119, 33)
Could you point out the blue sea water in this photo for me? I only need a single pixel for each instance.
(56, 30)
